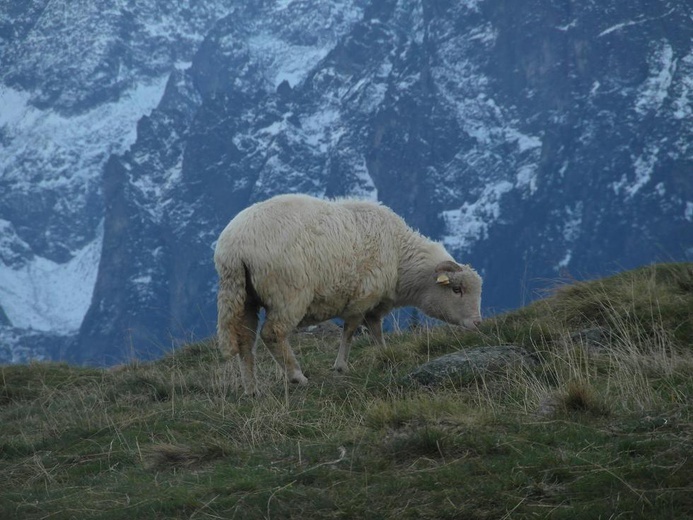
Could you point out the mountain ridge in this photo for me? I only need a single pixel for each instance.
(533, 141)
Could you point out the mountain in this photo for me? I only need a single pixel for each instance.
(540, 140)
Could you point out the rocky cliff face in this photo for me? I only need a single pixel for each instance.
(533, 140)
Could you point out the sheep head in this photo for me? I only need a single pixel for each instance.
(455, 295)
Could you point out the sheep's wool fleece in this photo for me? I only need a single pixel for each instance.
(333, 258)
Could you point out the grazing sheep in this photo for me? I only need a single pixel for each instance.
(306, 260)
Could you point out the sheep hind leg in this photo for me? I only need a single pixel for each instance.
(246, 331)
(276, 339)
(236, 331)
(350, 326)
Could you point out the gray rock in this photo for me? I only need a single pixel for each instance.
(465, 366)
(323, 330)
(595, 339)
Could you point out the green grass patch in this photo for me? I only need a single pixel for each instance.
(599, 428)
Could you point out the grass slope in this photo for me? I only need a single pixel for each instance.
(602, 428)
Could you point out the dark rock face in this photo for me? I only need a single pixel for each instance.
(534, 140)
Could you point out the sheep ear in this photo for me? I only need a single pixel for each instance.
(448, 266)
(443, 279)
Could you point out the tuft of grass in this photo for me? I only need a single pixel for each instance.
(600, 428)
(170, 456)
(583, 398)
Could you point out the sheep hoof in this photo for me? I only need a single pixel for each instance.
(299, 379)
(340, 369)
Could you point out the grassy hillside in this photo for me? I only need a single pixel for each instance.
(601, 428)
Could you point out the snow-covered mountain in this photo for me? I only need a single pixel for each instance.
(534, 139)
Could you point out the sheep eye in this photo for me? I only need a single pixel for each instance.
(457, 290)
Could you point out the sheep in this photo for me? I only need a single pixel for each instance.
(306, 260)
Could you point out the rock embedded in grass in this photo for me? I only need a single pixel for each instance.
(466, 366)
(595, 339)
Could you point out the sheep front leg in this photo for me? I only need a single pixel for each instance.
(350, 326)
(374, 324)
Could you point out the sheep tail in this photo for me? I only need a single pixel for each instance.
(231, 300)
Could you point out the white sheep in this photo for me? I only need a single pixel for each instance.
(305, 260)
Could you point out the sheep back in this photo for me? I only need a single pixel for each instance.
(311, 260)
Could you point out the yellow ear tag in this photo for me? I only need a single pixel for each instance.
(443, 279)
